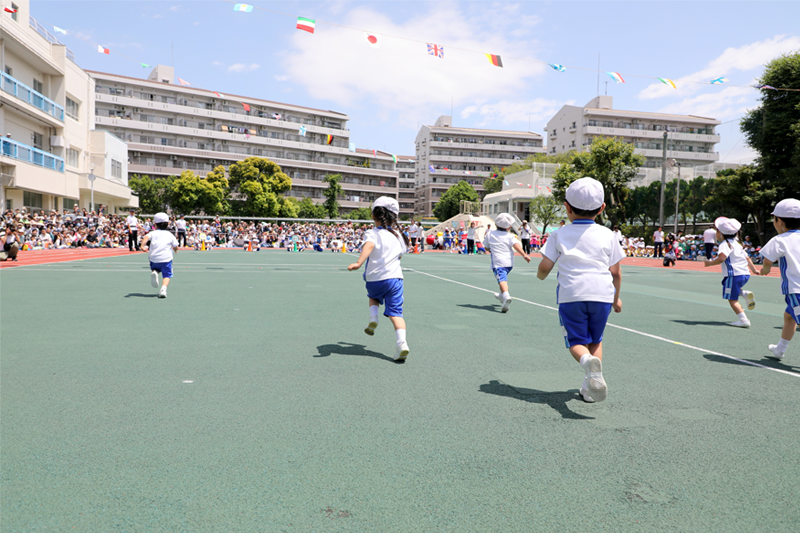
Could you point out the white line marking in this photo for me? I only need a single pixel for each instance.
(623, 328)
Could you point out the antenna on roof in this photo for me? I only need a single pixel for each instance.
(598, 74)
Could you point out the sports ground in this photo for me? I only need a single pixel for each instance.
(251, 400)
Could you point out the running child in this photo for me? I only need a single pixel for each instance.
(589, 281)
(161, 244)
(736, 266)
(502, 246)
(784, 249)
(383, 248)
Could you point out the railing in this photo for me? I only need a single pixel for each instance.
(36, 99)
(41, 30)
(32, 155)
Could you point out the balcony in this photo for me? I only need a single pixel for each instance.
(26, 94)
(691, 134)
(31, 155)
(41, 30)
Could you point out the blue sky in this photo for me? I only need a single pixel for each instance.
(390, 91)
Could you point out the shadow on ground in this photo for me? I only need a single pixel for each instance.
(140, 295)
(489, 308)
(556, 400)
(348, 348)
(702, 323)
(771, 363)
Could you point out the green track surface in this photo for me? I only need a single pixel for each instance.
(295, 420)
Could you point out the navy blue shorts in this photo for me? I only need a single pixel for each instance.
(793, 306)
(501, 273)
(389, 291)
(164, 268)
(583, 322)
(732, 286)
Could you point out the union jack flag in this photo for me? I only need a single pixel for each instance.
(435, 50)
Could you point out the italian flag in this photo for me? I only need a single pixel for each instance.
(306, 24)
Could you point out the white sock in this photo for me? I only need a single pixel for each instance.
(783, 344)
(506, 296)
(373, 313)
(742, 316)
(401, 336)
(585, 360)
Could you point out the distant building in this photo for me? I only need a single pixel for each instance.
(446, 155)
(406, 165)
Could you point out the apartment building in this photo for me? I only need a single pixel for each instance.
(49, 156)
(690, 139)
(446, 155)
(170, 128)
(406, 166)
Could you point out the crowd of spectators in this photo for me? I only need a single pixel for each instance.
(680, 247)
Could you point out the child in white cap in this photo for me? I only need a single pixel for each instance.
(383, 247)
(784, 249)
(160, 244)
(589, 281)
(736, 266)
(502, 245)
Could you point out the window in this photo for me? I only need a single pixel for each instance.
(116, 169)
(14, 14)
(37, 86)
(72, 157)
(31, 199)
(37, 141)
(9, 70)
(68, 204)
(72, 109)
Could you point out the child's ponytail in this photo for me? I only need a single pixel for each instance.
(389, 221)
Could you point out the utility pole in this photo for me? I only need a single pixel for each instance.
(663, 182)
(677, 198)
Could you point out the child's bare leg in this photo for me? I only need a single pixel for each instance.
(503, 287)
(373, 301)
(398, 322)
(579, 350)
(789, 327)
(165, 282)
(736, 306)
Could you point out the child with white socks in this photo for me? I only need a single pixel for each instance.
(589, 281)
(502, 246)
(383, 247)
(736, 265)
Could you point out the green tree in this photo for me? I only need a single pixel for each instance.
(308, 209)
(154, 194)
(450, 202)
(743, 191)
(362, 213)
(289, 207)
(332, 194)
(696, 197)
(611, 162)
(545, 210)
(191, 194)
(260, 184)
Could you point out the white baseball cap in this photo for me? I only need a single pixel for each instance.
(788, 208)
(585, 193)
(388, 203)
(160, 217)
(727, 226)
(504, 220)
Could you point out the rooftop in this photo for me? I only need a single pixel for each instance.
(645, 113)
(451, 129)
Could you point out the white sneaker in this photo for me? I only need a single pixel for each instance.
(744, 323)
(402, 352)
(370, 329)
(750, 299)
(506, 305)
(163, 292)
(776, 352)
(585, 391)
(597, 385)
(154, 279)
(498, 296)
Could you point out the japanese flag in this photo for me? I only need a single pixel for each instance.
(373, 39)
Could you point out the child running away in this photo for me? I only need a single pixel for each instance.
(383, 247)
(160, 244)
(502, 245)
(784, 249)
(736, 266)
(589, 280)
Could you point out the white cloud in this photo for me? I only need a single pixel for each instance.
(241, 67)
(744, 58)
(158, 16)
(401, 78)
(175, 9)
(281, 78)
(507, 112)
(722, 104)
(217, 63)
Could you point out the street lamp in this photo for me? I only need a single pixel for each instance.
(91, 177)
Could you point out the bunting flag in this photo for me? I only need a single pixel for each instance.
(430, 167)
(383, 184)
(102, 50)
(435, 50)
(352, 147)
(494, 60)
(9, 10)
(144, 65)
(59, 30)
(306, 24)
(374, 152)
(718, 81)
(246, 107)
(667, 81)
(529, 186)
(329, 139)
(302, 131)
(505, 182)
(394, 158)
(616, 77)
(556, 66)
(520, 184)
(468, 172)
(184, 82)
(548, 189)
(765, 87)
(446, 168)
(243, 7)
(540, 187)
(372, 39)
(219, 95)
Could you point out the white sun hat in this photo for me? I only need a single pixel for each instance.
(585, 193)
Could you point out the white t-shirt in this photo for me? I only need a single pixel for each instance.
(384, 261)
(658, 236)
(471, 233)
(784, 249)
(710, 236)
(412, 230)
(501, 244)
(524, 232)
(180, 224)
(161, 244)
(584, 252)
(735, 263)
(132, 222)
